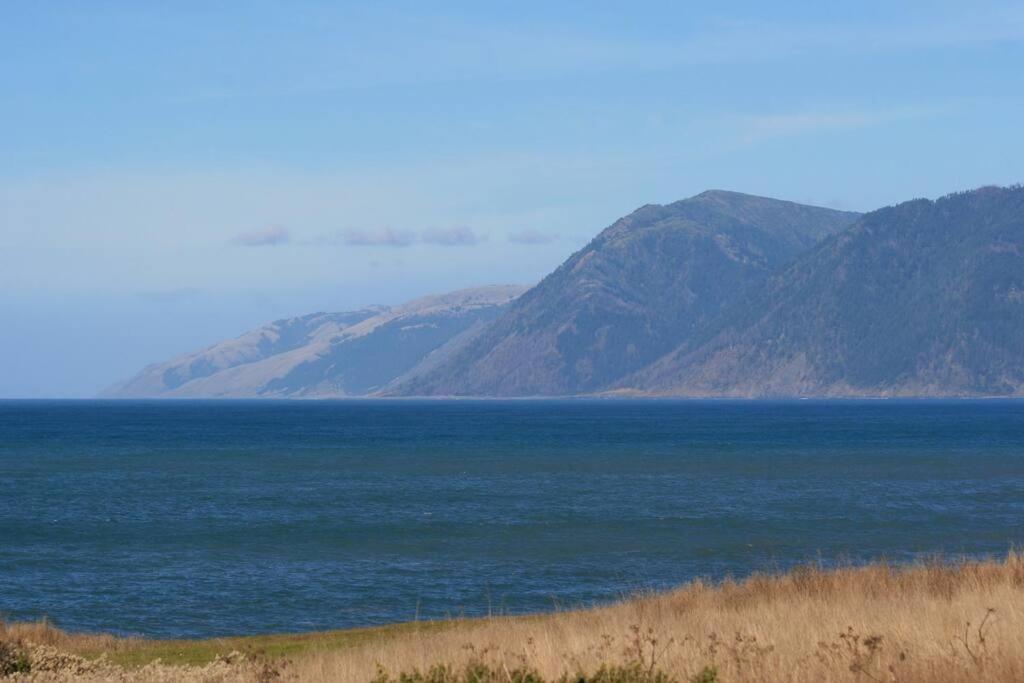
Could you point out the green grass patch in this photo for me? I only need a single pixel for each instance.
(137, 653)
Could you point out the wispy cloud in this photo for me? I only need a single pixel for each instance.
(530, 236)
(171, 296)
(451, 237)
(752, 129)
(383, 237)
(389, 237)
(271, 235)
(834, 120)
(465, 50)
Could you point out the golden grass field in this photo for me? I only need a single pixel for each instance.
(933, 622)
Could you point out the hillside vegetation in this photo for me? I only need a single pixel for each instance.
(644, 285)
(925, 298)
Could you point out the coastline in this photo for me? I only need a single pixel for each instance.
(955, 621)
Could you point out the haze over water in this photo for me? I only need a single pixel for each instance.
(204, 518)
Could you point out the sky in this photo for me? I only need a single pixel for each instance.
(173, 174)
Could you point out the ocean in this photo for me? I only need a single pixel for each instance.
(206, 518)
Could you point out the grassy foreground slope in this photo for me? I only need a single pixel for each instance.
(931, 622)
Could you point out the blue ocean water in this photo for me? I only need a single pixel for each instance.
(174, 519)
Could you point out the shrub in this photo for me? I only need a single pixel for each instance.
(708, 674)
(13, 658)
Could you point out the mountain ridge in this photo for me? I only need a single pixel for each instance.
(322, 354)
(722, 294)
(647, 280)
(915, 299)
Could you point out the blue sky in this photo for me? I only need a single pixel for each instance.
(174, 173)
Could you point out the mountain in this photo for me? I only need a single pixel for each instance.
(722, 294)
(925, 298)
(327, 354)
(640, 288)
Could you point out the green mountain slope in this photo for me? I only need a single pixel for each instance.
(645, 284)
(923, 298)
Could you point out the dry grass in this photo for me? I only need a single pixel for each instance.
(934, 622)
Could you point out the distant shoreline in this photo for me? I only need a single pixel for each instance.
(625, 398)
